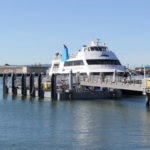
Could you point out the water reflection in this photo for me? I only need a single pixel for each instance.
(32, 123)
(14, 97)
(5, 96)
(108, 124)
(146, 129)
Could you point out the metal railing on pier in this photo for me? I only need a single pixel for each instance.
(117, 82)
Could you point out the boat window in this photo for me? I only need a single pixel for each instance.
(92, 48)
(85, 49)
(74, 63)
(56, 65)
(103, 62)
(96, 48)
(100, 49)
(103, 49)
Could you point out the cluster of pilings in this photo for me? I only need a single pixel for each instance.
(31, 90)
(67, 91)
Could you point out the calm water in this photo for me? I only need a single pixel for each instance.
(32, 124)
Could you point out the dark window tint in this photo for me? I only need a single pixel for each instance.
(103, 49)
(92, 48)
(74, 63)
(56, 65)
(103, 62)
(98, 48)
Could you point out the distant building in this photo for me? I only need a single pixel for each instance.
(141, 70)
(23, 69)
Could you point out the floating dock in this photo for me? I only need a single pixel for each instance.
(74, 86)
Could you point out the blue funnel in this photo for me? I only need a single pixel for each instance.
(65, 55)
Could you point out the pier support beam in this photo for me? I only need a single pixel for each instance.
(5, 88)
(70, 80)
(53, 87)
(32, 88)
(40, 89)
(14, 89)
(114, 76)
(147, 99)
(23, 85)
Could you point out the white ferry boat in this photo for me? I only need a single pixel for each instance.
(93, 59)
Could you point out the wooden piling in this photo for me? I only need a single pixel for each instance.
(53, 86)
(5, 88)
(23, 85)
(32, 88)
(40, 88)
(14, 88)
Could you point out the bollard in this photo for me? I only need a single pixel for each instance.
(32, 88)
(40, 89)
(23, 85)
(53, 87)
(14, 89)
(5, 88)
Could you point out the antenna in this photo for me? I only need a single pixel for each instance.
(98, 41)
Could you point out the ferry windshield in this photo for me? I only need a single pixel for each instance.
(74, 63)
(103, 62)
(97, 48)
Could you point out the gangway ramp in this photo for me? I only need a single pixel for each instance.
(131, 86)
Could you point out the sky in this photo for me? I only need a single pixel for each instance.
(32, 31)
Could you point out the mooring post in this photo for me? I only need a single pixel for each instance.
(53, 86)
(5, 88)
(147, 99)
(32, 88)
(14, 88)
(40, 89)
(23, 85)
